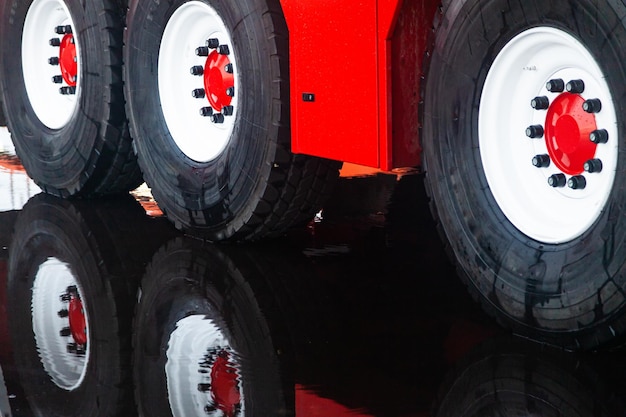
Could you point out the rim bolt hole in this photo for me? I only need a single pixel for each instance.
(55, 42)
(57, 79)
(555, 86)
(202, 51)
(63, 29)
(217, 118)
(599, 136)
(577, 182)
(228, 110)
(228, 68)
(223, 50)
(575, 86)
(206, 111)
(198, 93)
(593, 105)
(593, 166)
(541, 161)
(534, 131)
(540, 103)
(212, 43)
(557, 180)
(197, 70)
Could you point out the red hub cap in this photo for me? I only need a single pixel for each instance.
(219, 82)
(68, 60)
(224, 385)
(76, 316)
(567, 131)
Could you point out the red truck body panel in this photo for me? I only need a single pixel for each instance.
(355, 78)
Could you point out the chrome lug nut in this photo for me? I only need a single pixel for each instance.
(223, 50)
(63, 29)
(53, 60)
(213, 43)
(230, 91)
(67, 90)
(228, 68)
(198, 93)
(55, 42)
(575, 86)
(593, 166)
(555, 86)
(534, 131)
(593, 105)
(541, 161)
(217, 118)
(577, 182)
(540, 103)
(206, 111)
(599, 136)
(202, 51)
(557, 180)
(197, 70)
(57, 79)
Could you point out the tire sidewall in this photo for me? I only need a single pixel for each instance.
(502, 264)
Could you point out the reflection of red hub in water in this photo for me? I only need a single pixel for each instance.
(224, 386)
(218, 80)
(567, 132)
(77, 320)
(68, 60)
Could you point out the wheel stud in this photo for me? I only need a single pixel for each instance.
(557, 180)
(599, 136)
(53, 60)
(67, 90)
(212, 43)
(228, 110)
(541, 161)
(63, 29)
(65, 332)
(55, 42)
(223, 50)
(202, 51)
(534, 131)
(197, 70)
(230, 91)
(57, 79)
(228, 68)
(217, 118)
(63, 313)
(540, 103)
(577, 182)
(593, 166)
(555, 86)
(71, 348)
(198, 93)
(593, 105)
(206, 111)
(575, 86)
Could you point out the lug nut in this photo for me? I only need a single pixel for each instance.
(65, 298)
(230, 91)
(228, 110)
(555, 86)
(198, 93)
(67, 91)
(217, 118)
(228, 68)
(63, 29)
(593, 166)
(197, 70)
(212, 43)
(204, 387)
(223, 50)
(65, 332)
(575, 86)
(202, 51)
(577, 182)
(63, 313)
(541, 161)
(53, 60)
(206, 111)
(534, 131)
(540, 103)
(557, 180)
(57, 79)
(71, 347)
(599, 136)
(55, 42)
(593, 105)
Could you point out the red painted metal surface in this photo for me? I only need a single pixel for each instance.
(349, 66)
(67, 60)
(217, 80)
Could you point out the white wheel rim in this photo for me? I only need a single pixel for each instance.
(199, 137)
(519, 74)
(191, 346)
(51, 107)
(66, 369)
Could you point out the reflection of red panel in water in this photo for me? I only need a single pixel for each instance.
(10, 163)
(5, 349)
(309, 404)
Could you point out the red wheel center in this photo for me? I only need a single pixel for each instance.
(224, 386)
(68, 60)
(78, 325)
(218, 81)
(567, 132)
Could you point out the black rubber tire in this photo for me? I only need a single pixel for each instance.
(568, 294)
(256, 187)
(94, 239)
(188, 278)
(91, 154)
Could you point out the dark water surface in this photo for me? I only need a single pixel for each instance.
(106, 310)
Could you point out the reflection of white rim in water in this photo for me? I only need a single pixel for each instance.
(57, 310)
(5, 408)
(202, 371)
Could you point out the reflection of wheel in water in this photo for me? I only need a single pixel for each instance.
(514, 378)
(202, 343)
(73, 287)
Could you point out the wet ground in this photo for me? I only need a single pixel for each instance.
(106, 310)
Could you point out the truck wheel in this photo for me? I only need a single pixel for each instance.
(207, 97)
(61, 79)
(522, 139)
